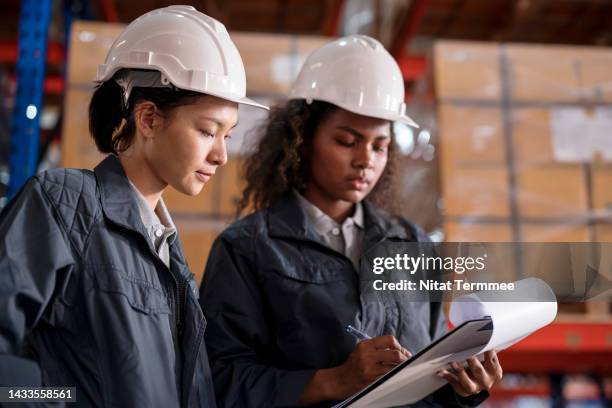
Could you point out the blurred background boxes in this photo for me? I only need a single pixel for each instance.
(477, 134)
(524, 139)
(477, 190)
(466, 72)
(555, 232)
(478, 232)
(601, 179)
(551, 190)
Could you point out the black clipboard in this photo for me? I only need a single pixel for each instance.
(470, 326)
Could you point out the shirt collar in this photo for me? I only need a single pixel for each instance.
(322, 222)
(153, 219)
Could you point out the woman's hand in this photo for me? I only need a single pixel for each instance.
(369, 360)
(476, 377)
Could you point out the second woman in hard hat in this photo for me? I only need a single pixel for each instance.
(94, 289)
(282, 284)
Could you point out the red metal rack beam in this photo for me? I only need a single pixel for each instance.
(334, 21)
(412, 66)
(53, 84)
(415, 15)
(9, 52)
(109, 10)
(562, 348)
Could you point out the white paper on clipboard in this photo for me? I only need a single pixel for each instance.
(481, 325)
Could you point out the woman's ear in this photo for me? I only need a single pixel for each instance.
(146, 118)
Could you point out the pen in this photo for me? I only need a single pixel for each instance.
(359, 335)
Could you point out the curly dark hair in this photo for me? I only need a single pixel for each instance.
(278, 161)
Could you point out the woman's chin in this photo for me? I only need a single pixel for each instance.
(354, 196)
(190, 189)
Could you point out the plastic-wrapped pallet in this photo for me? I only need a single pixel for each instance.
(526, 152)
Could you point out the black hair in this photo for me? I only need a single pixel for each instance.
(112, 125)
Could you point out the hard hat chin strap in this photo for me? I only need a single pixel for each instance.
(129, 79)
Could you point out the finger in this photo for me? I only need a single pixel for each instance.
(405, 352)
(476, 370)
(454, 382)
(478, 374)
(386, 342)
(371, 368)
(465, 380)
(493, 367)
(393, 357)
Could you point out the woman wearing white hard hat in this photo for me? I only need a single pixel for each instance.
(282, 285)
(94, 289)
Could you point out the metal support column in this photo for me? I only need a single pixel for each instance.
(25, 126)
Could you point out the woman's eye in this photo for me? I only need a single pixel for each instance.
(207, 133)
(228, 136)
(345, 143)
(380, 149)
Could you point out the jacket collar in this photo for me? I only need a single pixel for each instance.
(286, 219)
(119, 205)
(118, 202)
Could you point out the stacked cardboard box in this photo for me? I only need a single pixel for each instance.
(524, 141)
(271, 62)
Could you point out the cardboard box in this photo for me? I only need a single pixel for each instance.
(480, 191)
(455, 231)
(596, 74)
(554, 233)
(89, 44)
(467, 70)
(232, 185)
(78, 148)
(543, 73)
(551, 190)
(603, 232)
(531, 134)
(471, 135)
(268, 59)
(273, 61)
(601, 184)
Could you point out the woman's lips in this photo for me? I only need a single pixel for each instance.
(202, 176)
(359, 183)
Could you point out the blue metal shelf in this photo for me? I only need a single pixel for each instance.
(25, 126)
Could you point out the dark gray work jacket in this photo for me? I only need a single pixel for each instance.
(85, 297)
(278, 300)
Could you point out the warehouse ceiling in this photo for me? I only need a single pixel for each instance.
(406, 27)
(542, 21)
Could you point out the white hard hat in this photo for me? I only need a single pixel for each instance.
(355, 73)
(191, 50)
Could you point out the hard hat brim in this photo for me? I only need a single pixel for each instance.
(251, 102)
(240, 100)
(386, 115)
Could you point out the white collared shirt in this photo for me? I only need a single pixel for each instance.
(346, 238)
(158, 224)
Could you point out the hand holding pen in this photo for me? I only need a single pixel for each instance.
(361, 336)
(371, 358)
